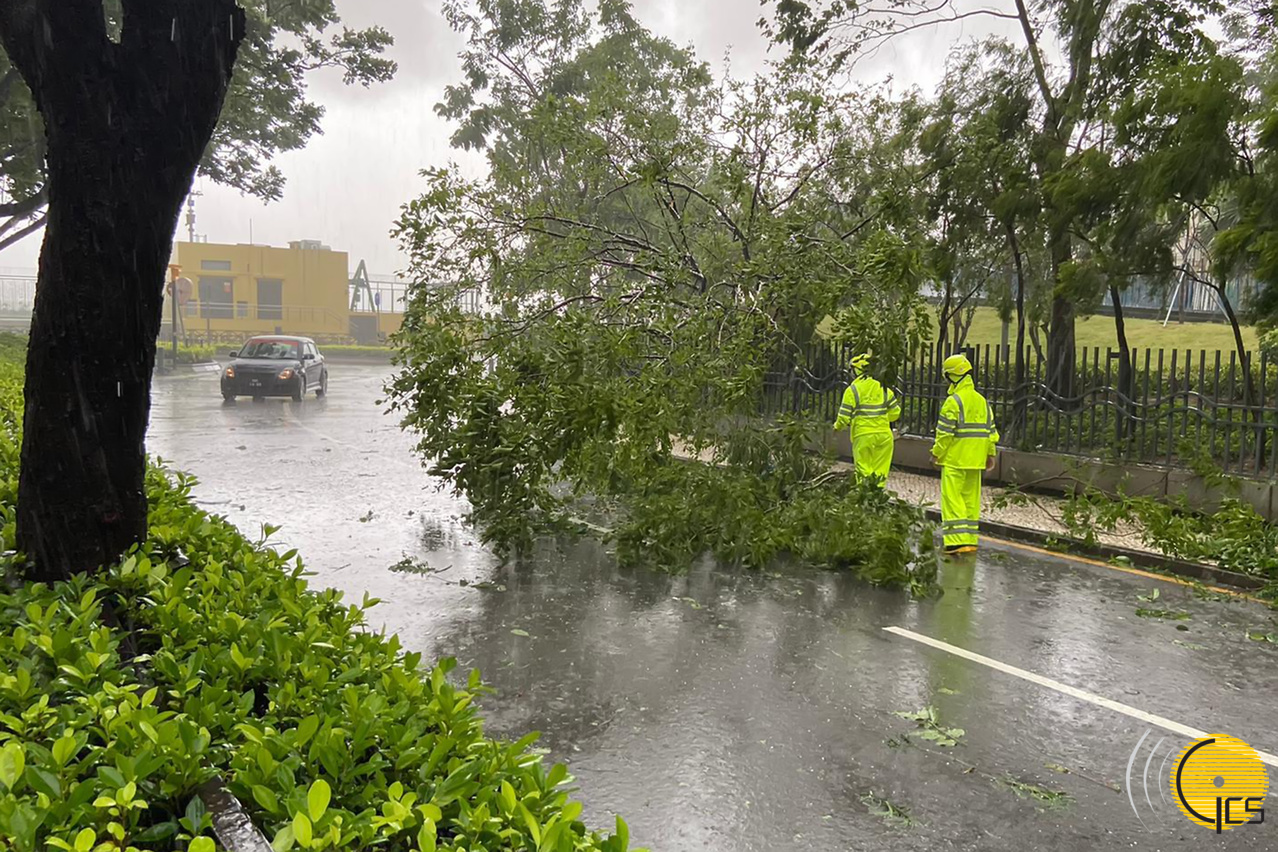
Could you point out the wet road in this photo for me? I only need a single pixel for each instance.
(730, 710)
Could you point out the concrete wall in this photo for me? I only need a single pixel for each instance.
(1069, 474)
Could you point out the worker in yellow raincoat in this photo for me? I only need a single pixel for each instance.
(869, 410)
(966, 446)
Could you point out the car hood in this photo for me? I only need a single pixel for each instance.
(266, 363)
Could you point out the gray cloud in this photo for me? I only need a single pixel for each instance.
(347, 186)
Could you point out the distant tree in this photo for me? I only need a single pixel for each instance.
(1081, 57)
(267, 110)
(1246, 218)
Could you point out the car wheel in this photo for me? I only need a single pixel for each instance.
(323, 388)
(229, 397)
(300, 390)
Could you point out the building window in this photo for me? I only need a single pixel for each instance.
(215, 265)
(270, 299)
(241, 310)
(217, 298)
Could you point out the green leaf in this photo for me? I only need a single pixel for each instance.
(306, 729)
(427, 837)
(63, 750)
(202, 844)
(317, 799)
(44, 781)
(85, 839)
(534, 830)
(519, 632)
(302, 829)
(284, 840)
(12, 762)
(266, 797)
(159, 831)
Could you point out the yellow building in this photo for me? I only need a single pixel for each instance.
(241, 290)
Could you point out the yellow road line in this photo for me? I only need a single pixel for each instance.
(1179, 581)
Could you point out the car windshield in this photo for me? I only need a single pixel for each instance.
(283, 350)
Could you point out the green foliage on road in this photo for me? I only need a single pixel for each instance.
(203, 654)
(653, 246)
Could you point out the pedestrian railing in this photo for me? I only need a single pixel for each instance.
(1179, 408)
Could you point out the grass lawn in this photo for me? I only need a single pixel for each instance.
(1141, 333)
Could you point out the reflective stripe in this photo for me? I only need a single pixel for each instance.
(964, 428)
(950, 525)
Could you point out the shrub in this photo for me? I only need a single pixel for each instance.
(202, 655)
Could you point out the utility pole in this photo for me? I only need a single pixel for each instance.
(175, 272)
(190, 215)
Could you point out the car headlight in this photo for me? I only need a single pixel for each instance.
(286, 374)
(230, 372)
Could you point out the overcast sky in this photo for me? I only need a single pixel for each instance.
(346, 187)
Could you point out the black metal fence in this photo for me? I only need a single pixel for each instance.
(1182, 408)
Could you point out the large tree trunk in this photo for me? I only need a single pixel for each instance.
(126, 125)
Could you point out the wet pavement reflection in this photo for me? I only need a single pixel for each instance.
(733, 710)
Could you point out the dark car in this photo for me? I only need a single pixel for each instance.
(275, 365)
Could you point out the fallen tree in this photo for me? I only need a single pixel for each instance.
(651, 247)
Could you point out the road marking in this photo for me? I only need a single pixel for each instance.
(1137, 572)
(1066, 689)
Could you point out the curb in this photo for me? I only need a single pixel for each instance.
(1138, 558)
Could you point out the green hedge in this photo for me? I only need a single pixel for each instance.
(205, 655)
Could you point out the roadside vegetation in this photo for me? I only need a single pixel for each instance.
(204, 655)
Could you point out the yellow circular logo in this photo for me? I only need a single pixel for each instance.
(1220, 783)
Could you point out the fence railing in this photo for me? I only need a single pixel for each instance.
(1181, 407)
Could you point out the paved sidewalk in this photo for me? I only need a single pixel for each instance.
(1041, 512)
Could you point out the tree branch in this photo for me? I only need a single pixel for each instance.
(22, 234)
(27, 206)
(1036, 57)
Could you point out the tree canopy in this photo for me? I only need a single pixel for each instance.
(268, 110)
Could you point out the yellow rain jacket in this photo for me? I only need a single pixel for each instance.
(868, 408)
(966, 437)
